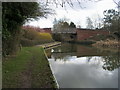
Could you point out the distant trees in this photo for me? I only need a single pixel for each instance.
(14, 15)
(112, 21)
(98, 22)
(111, 62)
(89, 23)
(72, 25)
(94, 23)
(62, 25)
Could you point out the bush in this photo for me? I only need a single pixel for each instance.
(57, 37)
(27, 42)
(31, 37)
(45, 36)
(107, 43)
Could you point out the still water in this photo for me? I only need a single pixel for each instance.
(76, 66)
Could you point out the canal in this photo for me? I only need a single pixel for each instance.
(78, 66)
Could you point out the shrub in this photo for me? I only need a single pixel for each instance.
(31, 37)
(107, 43)
(57, 37)
(45, 36)
(27, 42)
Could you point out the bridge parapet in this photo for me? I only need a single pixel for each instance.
(68, 30)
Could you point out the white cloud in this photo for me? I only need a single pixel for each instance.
(77, 14)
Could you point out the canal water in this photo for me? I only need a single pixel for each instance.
(77, 66)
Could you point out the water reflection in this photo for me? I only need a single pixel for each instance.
(78, 66)
(111, 62)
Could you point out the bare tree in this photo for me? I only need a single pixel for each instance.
(89, 23)
(116, 2)
(63, 3)
(97, 21)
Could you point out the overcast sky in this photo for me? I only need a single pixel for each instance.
(77, 14)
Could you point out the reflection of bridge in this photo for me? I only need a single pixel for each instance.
(64, 53)
(80, 51)
(58, 54)
(89, 51)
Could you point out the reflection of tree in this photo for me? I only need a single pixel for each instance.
(66, 47)
(61, 53)
(61, 56)
(111, 62)
(89, 58)
(58, 56)
(58, 49)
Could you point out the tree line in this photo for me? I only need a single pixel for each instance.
(62, 24)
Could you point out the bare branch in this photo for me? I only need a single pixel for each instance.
(63, 3)
(115, 2)
(79, 3)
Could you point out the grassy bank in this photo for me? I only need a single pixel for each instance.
(28, 69)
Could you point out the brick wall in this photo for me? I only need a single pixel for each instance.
(41, 30)
(83, 34)
(44, 30)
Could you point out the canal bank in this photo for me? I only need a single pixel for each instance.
(54, 78)
(28, 69)
(50, 45)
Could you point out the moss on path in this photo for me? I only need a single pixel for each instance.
(29, 69)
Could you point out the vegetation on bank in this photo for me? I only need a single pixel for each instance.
(28, 69)
(98, 38)
(107, 44)
(32, 37)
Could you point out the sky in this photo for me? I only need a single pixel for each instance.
(77, 14)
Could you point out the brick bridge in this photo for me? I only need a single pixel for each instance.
(72, 33)
(80, 33)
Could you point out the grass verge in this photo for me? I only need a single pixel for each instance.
(29, 69)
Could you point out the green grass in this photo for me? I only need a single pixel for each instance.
(29, 69)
